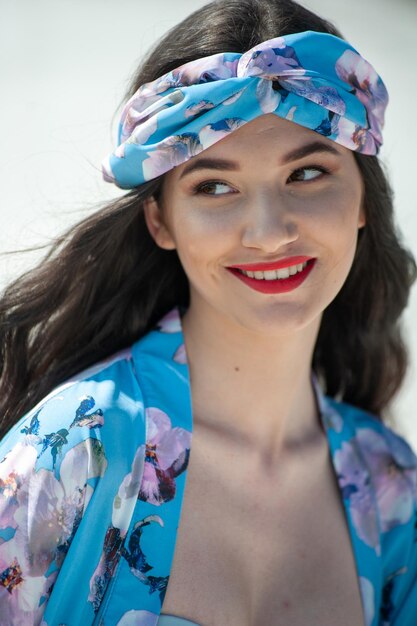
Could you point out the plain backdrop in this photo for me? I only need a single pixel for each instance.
(64, 69)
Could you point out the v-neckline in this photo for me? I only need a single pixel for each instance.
(337, 420)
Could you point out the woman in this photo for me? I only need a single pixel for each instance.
(254, 254)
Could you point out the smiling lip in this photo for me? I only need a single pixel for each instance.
(273, 265)
(279, 285)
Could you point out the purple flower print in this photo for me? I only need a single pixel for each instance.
(16, 466)
(20, 593)
(325, 96)
(391, 478)
(180, 355)
(275, 61)
(135, 113)
(136, 618)
(354, 137)
(46, 513)
(207, 69)
(369, 88)
(171, 152)
(368, 470)
(59, 504)
(354, 483)
(167, 453)
(170, 323)
(142, 111)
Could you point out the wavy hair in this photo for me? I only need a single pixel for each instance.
(105, 283)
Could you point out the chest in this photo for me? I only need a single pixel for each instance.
(254, 550)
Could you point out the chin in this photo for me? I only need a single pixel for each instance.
(278, 319)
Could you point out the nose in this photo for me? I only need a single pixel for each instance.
(269, 225)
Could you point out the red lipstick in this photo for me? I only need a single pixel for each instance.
(278, 285)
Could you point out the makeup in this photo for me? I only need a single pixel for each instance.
(278, 285)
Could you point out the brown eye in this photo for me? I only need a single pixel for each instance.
(304, 174)
(213, 188)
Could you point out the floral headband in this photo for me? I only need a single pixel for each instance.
(314, 79)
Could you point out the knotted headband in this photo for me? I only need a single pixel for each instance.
(314, 79)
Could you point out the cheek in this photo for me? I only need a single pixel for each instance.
(204, 236)
(331, 225)
(336, 213)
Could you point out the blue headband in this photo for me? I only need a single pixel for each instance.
(313, 79)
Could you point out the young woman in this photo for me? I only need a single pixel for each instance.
(203, 367)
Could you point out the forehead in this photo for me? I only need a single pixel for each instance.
(269, 138)
(270, 128)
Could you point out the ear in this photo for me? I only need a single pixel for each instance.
(156, 225)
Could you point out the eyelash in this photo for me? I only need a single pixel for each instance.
(198, 188)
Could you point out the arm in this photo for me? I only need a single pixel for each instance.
(47, 469)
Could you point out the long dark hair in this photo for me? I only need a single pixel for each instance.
(105, 283)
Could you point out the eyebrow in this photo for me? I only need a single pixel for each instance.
(225, 164)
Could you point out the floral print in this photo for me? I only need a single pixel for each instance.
(172, 151)
(167, 452)
(151, 479)
(390, 484)
(44, 513)
(367, 86)
(88, 532)
(336, 93)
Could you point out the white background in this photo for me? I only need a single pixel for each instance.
(64, 68)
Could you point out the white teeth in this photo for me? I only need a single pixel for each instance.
(283, 273)
(270, 275)
(276, 274)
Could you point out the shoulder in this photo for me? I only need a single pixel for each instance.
(377, 472)
(374, 439)
(68, 454)
(376, 466)
(87, 409)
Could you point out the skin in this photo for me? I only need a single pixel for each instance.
(252, 350)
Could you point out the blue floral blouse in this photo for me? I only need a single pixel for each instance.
(92, 482)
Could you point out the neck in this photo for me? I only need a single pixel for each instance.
(250, 388)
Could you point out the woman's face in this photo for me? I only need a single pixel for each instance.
(251, 199)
